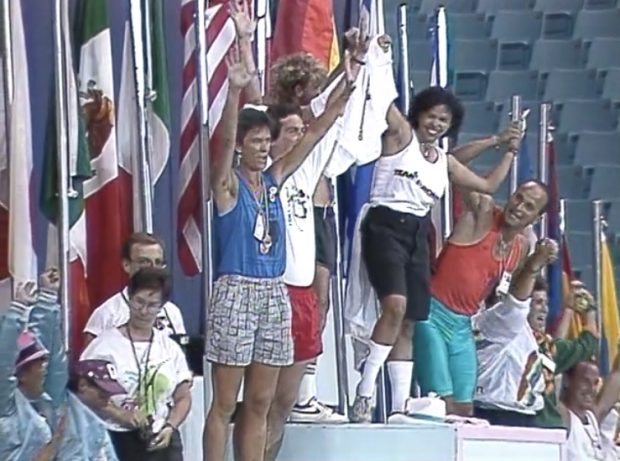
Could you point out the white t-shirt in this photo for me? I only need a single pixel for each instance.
(586, 442)
(510, 368)
(114, 312)
(162, 368)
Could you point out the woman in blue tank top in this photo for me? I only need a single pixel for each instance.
(248, 333)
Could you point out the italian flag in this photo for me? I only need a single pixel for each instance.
(97, 229)
(158, 110)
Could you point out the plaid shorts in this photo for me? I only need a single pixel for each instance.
(249, 321)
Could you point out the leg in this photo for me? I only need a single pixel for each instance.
(226, 382)
(322, 278)
(463, 368)
(284, 400)
(250, 431)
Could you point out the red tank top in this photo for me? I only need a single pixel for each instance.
(466, 274)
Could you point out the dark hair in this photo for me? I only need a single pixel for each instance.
(279, 112)
(540, 284)
(139, 238)
(437, 96)
(250, 119)
(150, 278)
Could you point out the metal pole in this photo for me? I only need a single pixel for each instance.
(203, 146)
(380, 25)
(61, 21)
(515, 116)
(140, 76)
(543, 158)
(597, 233)
(403, 43)
(263, 33)
(337, 293)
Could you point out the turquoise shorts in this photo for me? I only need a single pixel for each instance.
(445, 354)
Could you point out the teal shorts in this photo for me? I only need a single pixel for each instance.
(445, 354)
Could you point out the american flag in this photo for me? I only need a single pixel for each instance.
(220, 36)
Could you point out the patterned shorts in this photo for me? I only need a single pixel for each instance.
(249, 321)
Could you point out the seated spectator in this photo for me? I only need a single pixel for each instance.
(153, 370)
(140, 250)
(585, 409)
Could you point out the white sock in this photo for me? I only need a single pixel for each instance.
(401, 375)
(307, 389)
(377, 357)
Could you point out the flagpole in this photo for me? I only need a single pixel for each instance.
(543, 159)
(263, 34)
(204, 156)
(515, 116)
(403, 43)
(597, 233)
(62, 147)
(143, 167)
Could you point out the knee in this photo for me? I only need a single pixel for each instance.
(223, 408)
(394, 308)
(283, 404)
(258, 404)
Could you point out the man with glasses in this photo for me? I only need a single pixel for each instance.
(140, 250)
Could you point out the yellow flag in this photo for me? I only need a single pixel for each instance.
(609, 302)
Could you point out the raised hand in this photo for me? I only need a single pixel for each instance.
(580, 299)
(385, 42)
(26, 293)
(358, 43)
(546, 252)
(238, 75)
(513, 131)
(244, 24)
(50, 280)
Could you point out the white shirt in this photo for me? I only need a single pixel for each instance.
(114, 312)
(510, 368)
(161, 369)
(586, 442)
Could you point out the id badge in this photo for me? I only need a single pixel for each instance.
(504, 284)
(259, 227)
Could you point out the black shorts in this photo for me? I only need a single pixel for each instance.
(396, 254)
(326, 239)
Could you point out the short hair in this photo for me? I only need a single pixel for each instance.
(281, 111)
(150, 278)
(292, 70)
(140, 238)
(437, 96)
(540, 284)
(250, 119)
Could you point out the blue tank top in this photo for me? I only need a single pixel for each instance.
(239, 251)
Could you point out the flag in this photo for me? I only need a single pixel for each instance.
(79, 172)
(554, 231)
(17, 255)
(608, 309)
(158, 113)
(306, 25)
(220, 35)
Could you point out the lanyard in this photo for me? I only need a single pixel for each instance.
(147, 354)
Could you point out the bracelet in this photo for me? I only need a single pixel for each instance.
(496, 142)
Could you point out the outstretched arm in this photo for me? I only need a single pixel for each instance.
(467, 152)
(245, 27)
(463, 177)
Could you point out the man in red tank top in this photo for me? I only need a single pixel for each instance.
(486, 246)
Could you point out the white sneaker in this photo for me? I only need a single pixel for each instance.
(402, 418)
(316, 412)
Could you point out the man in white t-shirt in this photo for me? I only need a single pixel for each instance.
(140, 250)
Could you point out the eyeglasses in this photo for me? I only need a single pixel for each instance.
(146, 262)
(140, 304)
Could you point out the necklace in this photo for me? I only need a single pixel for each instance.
(262, 215)
(142, 375)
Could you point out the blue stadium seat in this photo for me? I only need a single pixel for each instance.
(552, 6)
(470, 86)
(578, 215)
(503, 84)
(475, 55)
(420, 79)
(572, 183)
(456, 6)
(600, 4)
(604, 182)
(603, 53)
(570, 84)
(517, 25)
(613, 217)
(420, 55)
(611, 88)
(564, 149)
(480, 117)
(559, 25)
(556, 54)
(493, 6)
(582, 115)
(468, 25)
(596, 149)
(533, 119)
(581, 247)
(514, 55)
(592, 24)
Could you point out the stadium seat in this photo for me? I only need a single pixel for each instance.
(457, 6)
(493, 6)
(558, 26)
(613, 218)
(552, 6)
(470, 86)
(569, 84)
(600, 4)
(578, 215)
(503, 84)
(480, 117)
(514, 56)
(604, 182)
(517, 25)
(556, 54)
(581, 115)
(596, 149)
(581, 246)
(533, 118)
(571, 181)
(564, 149)
(603, 53)
(611, 87)
(420, 55)
(592, 24)
(475, 55)
(420, 79)
(468, 25)
(585, 274)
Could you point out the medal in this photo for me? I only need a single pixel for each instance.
(265, 244)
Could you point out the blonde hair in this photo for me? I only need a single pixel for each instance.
(290, 71)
